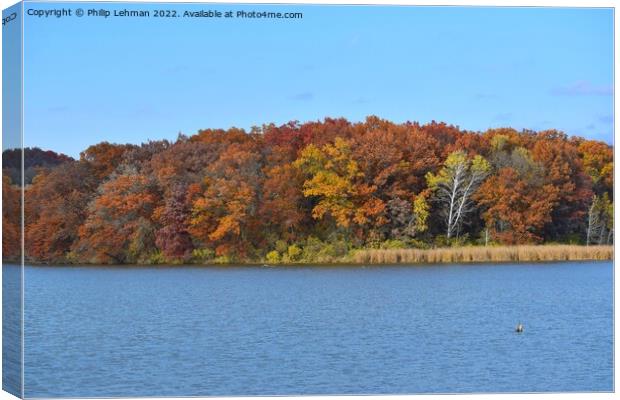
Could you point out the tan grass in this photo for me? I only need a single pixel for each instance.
(484, 254)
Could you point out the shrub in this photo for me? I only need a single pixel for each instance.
(417, 244)
(311, 249)
(393, 244)
(156, 258)
(294, 252)
(281, 246)
(374, 239)
(222, 260)
(72, 257)
(326, 254)
(203, 255)
(341, 248)
(273, 257)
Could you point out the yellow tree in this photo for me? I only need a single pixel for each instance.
(598, 163)
(335, 180)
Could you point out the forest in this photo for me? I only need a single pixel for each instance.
(313, 192)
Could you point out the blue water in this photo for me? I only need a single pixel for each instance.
(183, 331)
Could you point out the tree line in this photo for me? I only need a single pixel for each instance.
(311, 192)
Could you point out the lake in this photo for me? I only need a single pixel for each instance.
(183, 331)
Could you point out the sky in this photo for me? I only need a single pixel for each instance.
(128, 80)
(11, 78)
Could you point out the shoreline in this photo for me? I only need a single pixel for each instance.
(468, 255)
(302, 265)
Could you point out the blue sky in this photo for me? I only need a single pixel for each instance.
(128, 80)
(11, 78)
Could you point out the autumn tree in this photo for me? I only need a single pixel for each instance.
(173, 238)
(119, 227)
(285, 139)
(407, 219)
(515, 209)
(56, 205)
(139, 157)
(11, 220)
(335, 180)
(389, 161)
(282, 209)
(104, 157)
(184, 163)
(454, 186)
(597, 158)
(221, 136)
(445, 135)
(320, 133)
(224, 212)
(35, 160)
(564, 171)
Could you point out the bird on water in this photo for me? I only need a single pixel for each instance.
(519, 328)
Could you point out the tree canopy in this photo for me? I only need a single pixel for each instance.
(310, 192)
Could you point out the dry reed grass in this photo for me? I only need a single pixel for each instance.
(475, 254)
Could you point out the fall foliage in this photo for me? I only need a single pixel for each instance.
(307, 192)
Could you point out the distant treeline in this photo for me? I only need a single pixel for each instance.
(312, 192)
(34, 158)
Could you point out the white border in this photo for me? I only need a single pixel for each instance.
(505, 3)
